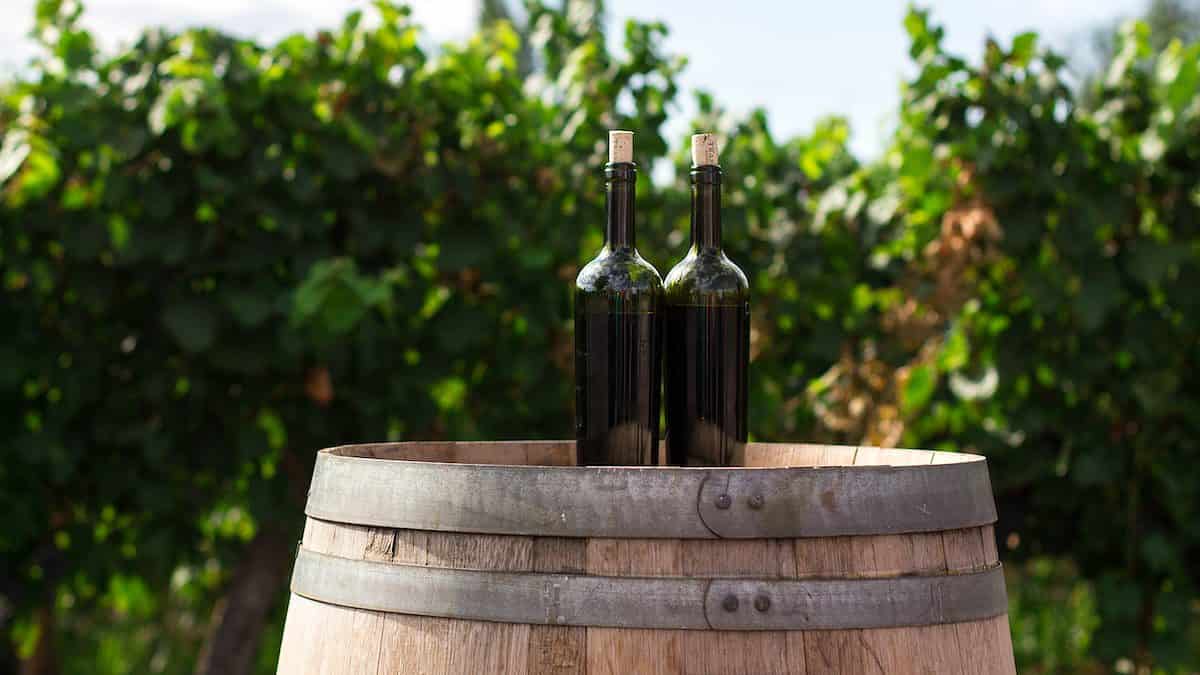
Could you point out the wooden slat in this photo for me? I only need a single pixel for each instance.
(456, 550)
(437, 646)
(364, 643)
(619, 651)
(341, 639)
(548, 453)
(835, 652)
(781, 455)
(614, 651)
(827, 652)
(927, 649)
(953, 457)
(410, 546)
(838, 455)
(772, 558)
(867, 651)
(985, 646)
(661, 652)
(988, 536)
(299, 646)
(340, 648)
(799, 454)
(909, 650)
(891, 457)
(965, 550)
(558, 650)
(416, 644)
(358, 642)
(633, 557)
(737, 653)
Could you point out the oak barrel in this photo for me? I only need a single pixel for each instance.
(502, 557)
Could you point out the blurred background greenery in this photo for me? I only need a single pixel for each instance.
(218, 256)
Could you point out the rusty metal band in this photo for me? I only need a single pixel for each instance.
(635, 502)
(639, 602)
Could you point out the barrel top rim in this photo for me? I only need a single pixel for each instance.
(365, 452)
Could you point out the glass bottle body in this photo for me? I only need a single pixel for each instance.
(707, 337)
(618, 342)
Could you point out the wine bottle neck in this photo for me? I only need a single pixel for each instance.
(620, 231)
(706, 208)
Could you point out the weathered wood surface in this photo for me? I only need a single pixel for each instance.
(327, 639)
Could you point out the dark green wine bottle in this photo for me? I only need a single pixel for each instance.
(707, 333)
(618, 334)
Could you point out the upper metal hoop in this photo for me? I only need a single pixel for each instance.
(651, 502)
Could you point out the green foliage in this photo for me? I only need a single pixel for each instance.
(1053, 617)
(1080, 294)
(217, 256)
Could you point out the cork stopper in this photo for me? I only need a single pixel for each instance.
(620, 146)
(704, 150)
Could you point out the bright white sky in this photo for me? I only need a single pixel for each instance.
(799, 59)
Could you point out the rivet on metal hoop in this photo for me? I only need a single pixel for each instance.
(762, 603)
(730, 603)
(724, 502)
(756, 502)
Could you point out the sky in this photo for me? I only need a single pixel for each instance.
(800, 60)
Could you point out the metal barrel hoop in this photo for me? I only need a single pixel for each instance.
(654, 503)
(724, 604)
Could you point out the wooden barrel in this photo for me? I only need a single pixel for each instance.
(502, 557)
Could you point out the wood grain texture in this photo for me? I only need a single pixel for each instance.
(916, 650)
(830, 651)
(743, 653)
(533, 453)
(558, 650)
(988, 642)
(444, 646)
(331, 640)
(615, 650)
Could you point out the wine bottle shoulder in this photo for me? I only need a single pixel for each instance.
(706, 278)
(622, 271)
